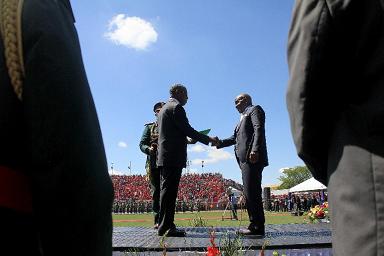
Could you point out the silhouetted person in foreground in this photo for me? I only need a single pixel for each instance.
(55, 191)
(335, 101)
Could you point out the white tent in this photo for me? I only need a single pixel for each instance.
(235, 191)
(280, 192)
(308, 185)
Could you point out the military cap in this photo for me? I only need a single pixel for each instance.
(158, 105)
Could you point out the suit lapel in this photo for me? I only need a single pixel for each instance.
(237, 128)
(242, 120)
(238, 125)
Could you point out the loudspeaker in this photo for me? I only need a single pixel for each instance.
(267, 198)
(267, 193)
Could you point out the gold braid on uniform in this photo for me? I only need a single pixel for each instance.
(11, 11)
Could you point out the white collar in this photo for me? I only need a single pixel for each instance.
(243, 113)
(178, 102)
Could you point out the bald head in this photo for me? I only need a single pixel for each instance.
(248, 97)
(242, 102)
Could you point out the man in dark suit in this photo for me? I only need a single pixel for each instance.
(172, 154)
(55, 191)
(251, 155)
(148, 145)
(335, 101)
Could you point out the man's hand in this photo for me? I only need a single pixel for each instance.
(253, 157)
(152, 149)
(214, 141)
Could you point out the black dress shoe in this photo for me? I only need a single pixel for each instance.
(175, 233)
(250, 232)
(156, 226)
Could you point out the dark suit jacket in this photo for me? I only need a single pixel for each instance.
(54, 137)
(335, 57)
(173, 131)
(249, 135)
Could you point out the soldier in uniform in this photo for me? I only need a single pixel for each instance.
(148, 145)
(55, 192)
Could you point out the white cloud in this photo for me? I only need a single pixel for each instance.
(132, 32)
(194, 171)
(281, 170)
(115, 172)
(197, 161)
(197, 148)
(213, 156)
(216, 155)
(122, 144)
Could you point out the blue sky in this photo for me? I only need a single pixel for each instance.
(134, 50)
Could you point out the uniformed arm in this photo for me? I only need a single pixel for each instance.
(66, 157)
(145, 140)
(182, 123)
(309, 93)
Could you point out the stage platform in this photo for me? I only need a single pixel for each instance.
(291, 239)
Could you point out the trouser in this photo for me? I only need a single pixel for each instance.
(234, 210)
(170, 178)
(155, 190)
(251, 174)
(356, 192)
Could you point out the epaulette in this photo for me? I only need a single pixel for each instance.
(149, 123)
(10, 27)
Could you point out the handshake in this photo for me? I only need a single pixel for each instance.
(215, 141)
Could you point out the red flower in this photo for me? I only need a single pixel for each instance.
(213, 251)
(320, 214)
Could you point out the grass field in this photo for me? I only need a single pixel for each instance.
(213, 218)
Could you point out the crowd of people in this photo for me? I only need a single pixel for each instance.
(206, 187)
(132, 206)
(131, 187)
(200, 192)
(295, 202)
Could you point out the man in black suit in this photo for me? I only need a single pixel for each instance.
(251, 155)
(172, 154)
(55, 191)
(335, 100)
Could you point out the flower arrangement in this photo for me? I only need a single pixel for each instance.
(318, 213)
